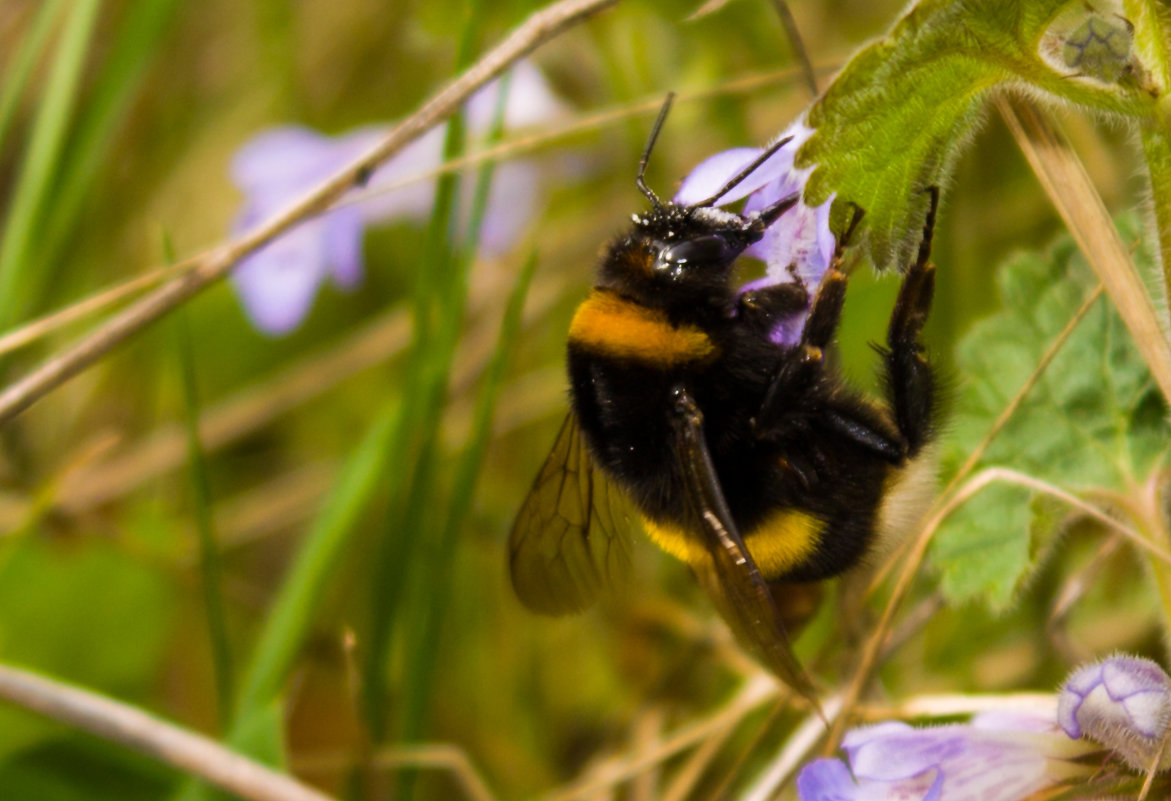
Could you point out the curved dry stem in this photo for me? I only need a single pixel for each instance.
(754, 693)
(797, 748)
(434, 756)
(1009, 476)
(537, 29)
(139, 731)
(1065, 181)
(517, 146)
(939, 512)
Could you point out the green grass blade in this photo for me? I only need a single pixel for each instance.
(439, 319)
(292, 611)
(421, 669)
(42, 159)
(209, 555)
(107, 105)
(21, 65)
(434, 566)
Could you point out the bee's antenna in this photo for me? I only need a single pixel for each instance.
(768, 153)
(640, 180)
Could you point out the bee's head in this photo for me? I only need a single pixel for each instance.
(678, 255)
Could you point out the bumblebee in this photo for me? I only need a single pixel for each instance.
(752, 462)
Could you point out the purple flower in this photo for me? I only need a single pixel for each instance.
(1122, 702)
(799, 245)
(995, 757)
(278, 283)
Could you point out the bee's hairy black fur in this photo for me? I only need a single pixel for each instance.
(783, 429)
(751, 460)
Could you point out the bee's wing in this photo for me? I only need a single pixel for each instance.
(571, 537)
(730, 575)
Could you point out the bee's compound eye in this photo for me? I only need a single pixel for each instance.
(710, 249)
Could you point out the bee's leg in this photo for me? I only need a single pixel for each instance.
(763, 308)
(801, 368)
(909, 379)
(796, 603)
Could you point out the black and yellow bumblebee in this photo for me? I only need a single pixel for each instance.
(752, 462)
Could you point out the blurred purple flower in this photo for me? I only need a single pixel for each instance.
(995, 757)
(799, 245)
(1122, 702)
(278, 283)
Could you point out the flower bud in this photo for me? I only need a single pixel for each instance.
(1124, 703)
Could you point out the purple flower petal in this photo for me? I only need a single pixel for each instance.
(712, 173)
(286, 156)
(827, 780)
(343, 247)
(799, 245)
(512, 202)
(997, 757)
(278, 284)
(530, 101)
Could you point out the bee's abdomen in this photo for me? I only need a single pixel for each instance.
(610, 326)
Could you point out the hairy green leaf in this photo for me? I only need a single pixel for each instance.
(893, 122)
(1094, 418)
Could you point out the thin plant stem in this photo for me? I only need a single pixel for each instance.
(541, 26)
(139, 731)
(1065, 181)
(55, 321)
(211, 573)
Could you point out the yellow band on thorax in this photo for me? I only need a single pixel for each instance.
(613, 326)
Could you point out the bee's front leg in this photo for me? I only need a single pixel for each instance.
(763, 308)
(801, 368)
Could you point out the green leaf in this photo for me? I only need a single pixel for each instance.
(893, 122)
(983, 551)
(83, 769)
(1094, 419)
(85, 611)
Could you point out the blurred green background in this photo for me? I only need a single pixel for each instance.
(119, 141)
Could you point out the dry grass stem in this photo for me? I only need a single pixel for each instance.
(44, 326)
(437, 756)
(1068, 186)
(1008, 476)
(522, 145)
(541, 26)
(943, 507)
(796, 750)
(755, 692)
(685, 779)
(1009, 410)
(517, 146)
(998, 425)
(947, 705)
(138, 731)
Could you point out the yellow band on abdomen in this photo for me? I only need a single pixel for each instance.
(782, 542)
